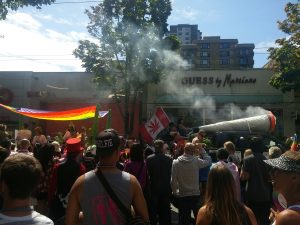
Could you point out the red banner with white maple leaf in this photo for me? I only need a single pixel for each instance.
(155, 125)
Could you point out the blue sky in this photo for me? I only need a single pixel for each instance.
(43, 40)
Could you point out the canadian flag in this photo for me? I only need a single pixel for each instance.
(155, 125)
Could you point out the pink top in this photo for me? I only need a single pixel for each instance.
(139, 170)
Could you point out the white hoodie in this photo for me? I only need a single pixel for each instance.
(185, 173)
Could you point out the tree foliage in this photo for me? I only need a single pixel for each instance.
(16, 4)
(286, 57)
(172, 42)
(126, 53)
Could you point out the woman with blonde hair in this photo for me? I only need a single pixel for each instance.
(230, 147)
(221, 206)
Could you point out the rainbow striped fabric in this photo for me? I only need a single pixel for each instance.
(74, 114)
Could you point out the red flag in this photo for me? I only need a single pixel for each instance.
(155, 125)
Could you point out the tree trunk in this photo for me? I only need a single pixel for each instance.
(132, 113)
(126, 108)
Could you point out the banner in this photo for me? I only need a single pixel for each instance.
(155, 125)
(74, 114)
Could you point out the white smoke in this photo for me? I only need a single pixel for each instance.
(192, 99)
(201, 104)
(173, 60)
(232, 111)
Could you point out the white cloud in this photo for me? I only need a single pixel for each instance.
(23, 20)
(210, 16)
(51, 18)
(185, 13)
(262, 47)
(27, 46)
(191, 15)
(79, 36)
(72, 22)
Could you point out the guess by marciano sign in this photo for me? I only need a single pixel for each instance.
(228, 80)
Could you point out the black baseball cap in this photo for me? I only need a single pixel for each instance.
(108, 140)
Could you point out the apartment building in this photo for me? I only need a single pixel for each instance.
(212, 52)
(186, 33)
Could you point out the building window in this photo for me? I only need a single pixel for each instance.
(204, 45)
(244, 51)
(224, 61)
(224, 45)
(187, 33)
(223, 54)
(243, 61)
(297, 94)
(179, 28)
(188, 54)
(204, 62)
(187, 38)
(204, 54)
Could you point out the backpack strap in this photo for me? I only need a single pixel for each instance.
(112, 194)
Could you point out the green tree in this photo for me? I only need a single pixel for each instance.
(126, 54)
(16, 4)
(172, 42)
(285, 59)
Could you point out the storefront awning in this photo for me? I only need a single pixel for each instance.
(223, 99)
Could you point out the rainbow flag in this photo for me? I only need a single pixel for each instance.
(294, 146)
(74, 114)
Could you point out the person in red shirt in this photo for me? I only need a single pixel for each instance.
(64, 176)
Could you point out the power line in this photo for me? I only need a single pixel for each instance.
(8, 55)
(24, 57)
(20, 57)
(4, 55)
(37, 59)
(75, 2)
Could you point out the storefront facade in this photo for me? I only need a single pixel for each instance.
(55, 91)
(200, 97)
(207, 96)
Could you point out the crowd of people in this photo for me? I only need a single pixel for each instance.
(68, 181)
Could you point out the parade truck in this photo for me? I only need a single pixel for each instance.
(241, 132)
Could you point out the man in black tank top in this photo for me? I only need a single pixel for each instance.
(254, 171)
(159, 168)
(90, 203)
